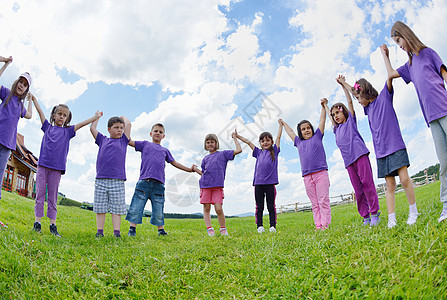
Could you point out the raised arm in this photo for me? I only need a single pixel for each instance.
(391, 72)
(289, 130)
(97, 115)
(245, 140)
(278, 135)
(7, 61)
(236, 142)
(29, 110)
(342, 81)
(322, 116)
(328, 112)
(132, 143)
(39, 109)
(127, 126)
(182, 167)
(93, 128)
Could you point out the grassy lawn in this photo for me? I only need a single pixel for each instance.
(346, 261)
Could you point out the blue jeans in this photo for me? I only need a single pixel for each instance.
(147, 189)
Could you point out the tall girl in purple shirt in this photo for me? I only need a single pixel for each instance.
(314, 166)
(389, 146)
(52, 159)
(428, 74)
(11, 110)
(266, 175)
(355, 156)
(211, 183)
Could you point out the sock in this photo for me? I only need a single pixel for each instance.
(392, 216)
(222, 228)
(115, 232)
(413, 209)
(133, 228)
(101, 231)
(161, 229)
(208, 228)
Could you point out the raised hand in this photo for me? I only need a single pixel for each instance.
(340, 79)
(384, 50)
(324, 101)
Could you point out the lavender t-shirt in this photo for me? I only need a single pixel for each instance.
(384, 125)
(349, 140)
(425, 73)
(311, 152)
(54, 146)
(9, 117)
(266, 169)
(153, 158)
(214, 166)
(111, 159)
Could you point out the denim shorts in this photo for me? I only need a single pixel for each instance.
(387, 166)
(147, 189)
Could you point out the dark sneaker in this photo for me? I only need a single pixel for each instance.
(37, 227)
(99, 235)
(53, 230)
(162, 232)
(117, 235)
(132, 232)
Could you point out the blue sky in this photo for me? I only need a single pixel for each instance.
(209, 66)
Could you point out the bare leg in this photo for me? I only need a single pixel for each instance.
(390, 194)
(406, 183)
(220, 214)
(100, 221)
(116, 221)
(207, 214)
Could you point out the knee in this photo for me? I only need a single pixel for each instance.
(218, 210)
(406, 182)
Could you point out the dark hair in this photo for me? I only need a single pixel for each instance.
(298, 128)
(114, 120)
(268, 135)
(365, 89)
(343, 108)
(211, 137)
(54, 110)
(158, 125)
(401, 30)
(12, 93)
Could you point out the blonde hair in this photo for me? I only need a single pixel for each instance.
(211, 137)
(54, 111)
(401, 30)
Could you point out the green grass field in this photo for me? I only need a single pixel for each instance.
(346, 261)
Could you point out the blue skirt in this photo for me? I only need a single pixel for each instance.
(388, 165)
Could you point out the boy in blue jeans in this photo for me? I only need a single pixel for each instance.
(150, 185)
(111, 173)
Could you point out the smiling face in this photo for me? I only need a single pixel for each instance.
(338, 115)
(22, 86)
(211, 146)
(266, 143)
(157, 134)
(402, 43)
(306, 131)
(60, 116)
(116, 131)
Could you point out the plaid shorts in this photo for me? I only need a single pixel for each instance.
(110, 196)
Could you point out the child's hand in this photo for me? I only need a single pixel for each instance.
(384, 50)
(340, 79)
(323, 101)
(29, 96)
(194, 168)
(98, 114)
(234, 133)
(8, 60)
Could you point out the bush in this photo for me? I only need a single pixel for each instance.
(69, 202)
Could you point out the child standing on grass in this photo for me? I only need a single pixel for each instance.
(355, 156)
(150, 185)
(314, 166)
(53, 159)
(11, 110)
(428, 74)
(111, 173)
(390, 149)
(266, 175)
(211, 183)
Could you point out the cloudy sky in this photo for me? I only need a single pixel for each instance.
(209, 66)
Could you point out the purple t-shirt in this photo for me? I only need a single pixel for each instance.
(266, 169)
(153, 158)
(214, 166)
(111, 159)
(384, 125)
(425, 73)
(311, 152)
(9, 117)
(54, 146)
(349, 140)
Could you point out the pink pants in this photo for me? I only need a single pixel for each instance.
(317, 189)
(50, 178)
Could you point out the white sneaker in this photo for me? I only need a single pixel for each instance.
(443, 215)
(412, 217)
(260, 229)
(272, 229)
(392, 223)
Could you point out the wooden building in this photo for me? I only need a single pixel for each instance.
(20, 170)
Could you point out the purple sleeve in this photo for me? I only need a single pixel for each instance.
(437, 61)
(276, 149)
(229, 154)
(4, 92)
(72, 131)
(23, 112)
(319, 134)
(45, 125)
(297, 141)
(126, 139)
(203, 165)
(169, 158)
(99, 139)
(139, 145)
(388, 93)
(404, 72)
(256, 151)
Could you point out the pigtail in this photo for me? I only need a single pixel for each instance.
(54, 110)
